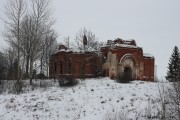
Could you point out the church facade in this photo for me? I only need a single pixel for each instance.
(119, 58)
(125, 59)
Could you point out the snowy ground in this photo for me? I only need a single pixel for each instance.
(93, 99)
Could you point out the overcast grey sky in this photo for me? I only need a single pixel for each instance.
(154, 24)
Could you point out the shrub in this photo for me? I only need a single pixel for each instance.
(41, 76)
(120, 79)
(67, 80)
(18, 87)
(2, 86)
(43, 84)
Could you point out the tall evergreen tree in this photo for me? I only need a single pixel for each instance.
(174, 66)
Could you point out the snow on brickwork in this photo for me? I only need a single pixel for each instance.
(148, 55)
(125, 45)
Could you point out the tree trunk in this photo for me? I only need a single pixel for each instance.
(22, 68)
(47, 66)
(31, 71)
(47, 63)
(27, 65)
(41, 64)
(47, 70)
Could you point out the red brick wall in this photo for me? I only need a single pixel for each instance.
(149, 69)
(92, 61)
(75, 61)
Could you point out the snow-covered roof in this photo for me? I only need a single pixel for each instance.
(148, 55)
(122, 43)
(62, 50)
(77, 51)
(125, 45)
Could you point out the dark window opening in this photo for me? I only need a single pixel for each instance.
(61, 68)
(54, 71)
(69, 71)
(68, 67)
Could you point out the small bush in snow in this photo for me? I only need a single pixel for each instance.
(103, 102)
(122, 98)
(2, 86)
(18, 87)
(68, 81)
(41, 76)
(134, 94)
(43, 84)
(116, 116)
(120, 79)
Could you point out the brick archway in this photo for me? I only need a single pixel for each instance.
(128, 67)
(126, 56)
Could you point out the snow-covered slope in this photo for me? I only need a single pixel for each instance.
(93, 99)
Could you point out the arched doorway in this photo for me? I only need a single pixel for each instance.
(127, 74)
(127, 67)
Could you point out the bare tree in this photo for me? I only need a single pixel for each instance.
(49, 47)
(14, 11)
(67, 42)
(41, 13)
(27, 28)
(11, 57)
(92, 42)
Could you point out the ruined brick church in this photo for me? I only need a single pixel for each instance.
(118, 58)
